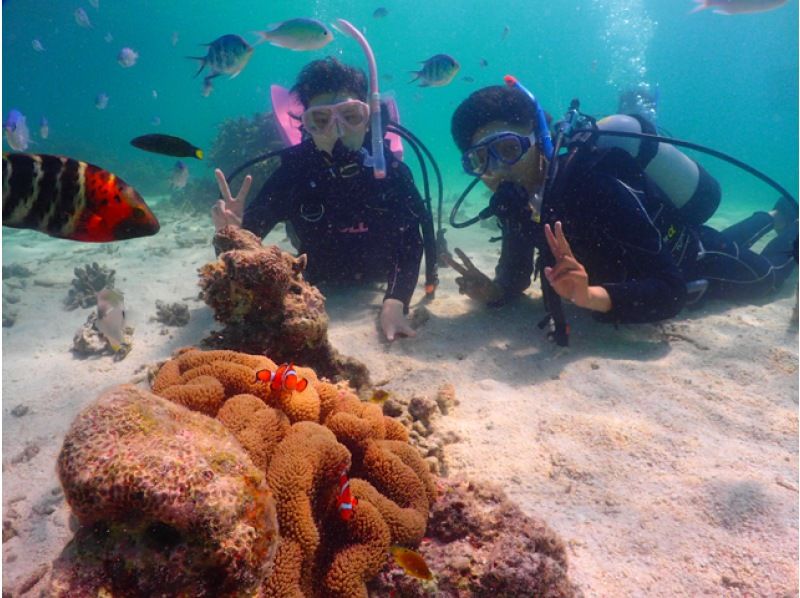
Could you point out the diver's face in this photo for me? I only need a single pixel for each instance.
(526, 171)
(351, 127)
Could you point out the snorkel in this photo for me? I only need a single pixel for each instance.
(377, 160)
(545, 141)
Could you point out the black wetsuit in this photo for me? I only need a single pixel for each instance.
(633, 242)
(352, 226)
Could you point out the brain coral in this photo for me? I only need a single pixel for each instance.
(167, 500)
(318, 554)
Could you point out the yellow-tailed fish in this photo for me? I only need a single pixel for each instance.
(411, 562)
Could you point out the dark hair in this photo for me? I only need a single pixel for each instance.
(326, 76)
(499, 102)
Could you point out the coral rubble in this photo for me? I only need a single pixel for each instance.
(172, 314)
(167, 501)
(259, 294)
(88, 341)
(89, 280)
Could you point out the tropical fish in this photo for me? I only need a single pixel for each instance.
(379, 396)
(412, 562)
(737, 7)
(127, 57)
(227, 54)
(16, 128)
(180, 176)
(108, 37)
(44, 128)
(380, 12)
(284, 378)
(437, 71)
(483, 62)
(69, 199)
(468, 79)
(298, 34)
(82, 19)
(154, 93)
(101, 101)
(37, 45)
(168, 145)
(111, 317)
(345, 501)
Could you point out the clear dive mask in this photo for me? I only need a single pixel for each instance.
(495, 151)
(329, 120)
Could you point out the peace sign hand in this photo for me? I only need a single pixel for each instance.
(568, 278)
(229, 209)
(473, 283)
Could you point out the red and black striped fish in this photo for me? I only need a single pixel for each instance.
(70, 199)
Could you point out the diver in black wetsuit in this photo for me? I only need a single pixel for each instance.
(610, 238)
(352, 226)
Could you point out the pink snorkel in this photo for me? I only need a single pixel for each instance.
(377, 159)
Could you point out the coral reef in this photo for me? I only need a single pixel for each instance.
(268, 308)
(241, 139)
(88, 341)
(480, 545)
(172, 314)
(303, 440)
(167, 501)
(89, 280)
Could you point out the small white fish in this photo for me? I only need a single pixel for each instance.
(127, 57)
(16, 128)
(180, 175)
(108, 37)
(737, 7)
(101, 101)
(44, 128)
(298, 34)
(37, 45)
(154, 93)
(174, 38)
(111, 317)
(82, 19)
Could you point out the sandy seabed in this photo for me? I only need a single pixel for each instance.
(666, 456)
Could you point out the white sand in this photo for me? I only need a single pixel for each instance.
(668, 464)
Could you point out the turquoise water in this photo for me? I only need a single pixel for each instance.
(727, 82)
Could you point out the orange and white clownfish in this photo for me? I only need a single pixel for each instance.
(285, 377)
(345, 501)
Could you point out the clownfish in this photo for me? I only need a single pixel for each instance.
(285, 377)
(345, 501)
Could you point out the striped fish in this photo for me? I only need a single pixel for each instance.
(437, 71)
(69, 199)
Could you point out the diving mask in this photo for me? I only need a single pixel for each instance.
(505, 148)
(327, 119)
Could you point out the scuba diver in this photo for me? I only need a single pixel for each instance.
(354, 226)
(618, 220)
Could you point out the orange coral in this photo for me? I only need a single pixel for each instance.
(318, 553)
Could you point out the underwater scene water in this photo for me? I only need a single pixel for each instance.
(655, 459)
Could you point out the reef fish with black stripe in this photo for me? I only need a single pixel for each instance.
(69, 199)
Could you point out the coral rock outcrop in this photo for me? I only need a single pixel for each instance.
(167, 501)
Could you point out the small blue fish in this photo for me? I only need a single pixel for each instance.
(44, 128)
(180, 175)
(101, 101)
(82, 19)
(298, 34)
(226, 55)
(437, 71)
(16, 129)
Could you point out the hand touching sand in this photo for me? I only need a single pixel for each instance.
(472, 282)
(393, 321)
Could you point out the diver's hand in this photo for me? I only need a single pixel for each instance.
(393, 320)
(473, 283)
(569, 278)
(229, 209)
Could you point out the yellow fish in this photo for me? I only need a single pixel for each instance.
(379, 396)
(411, 562)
